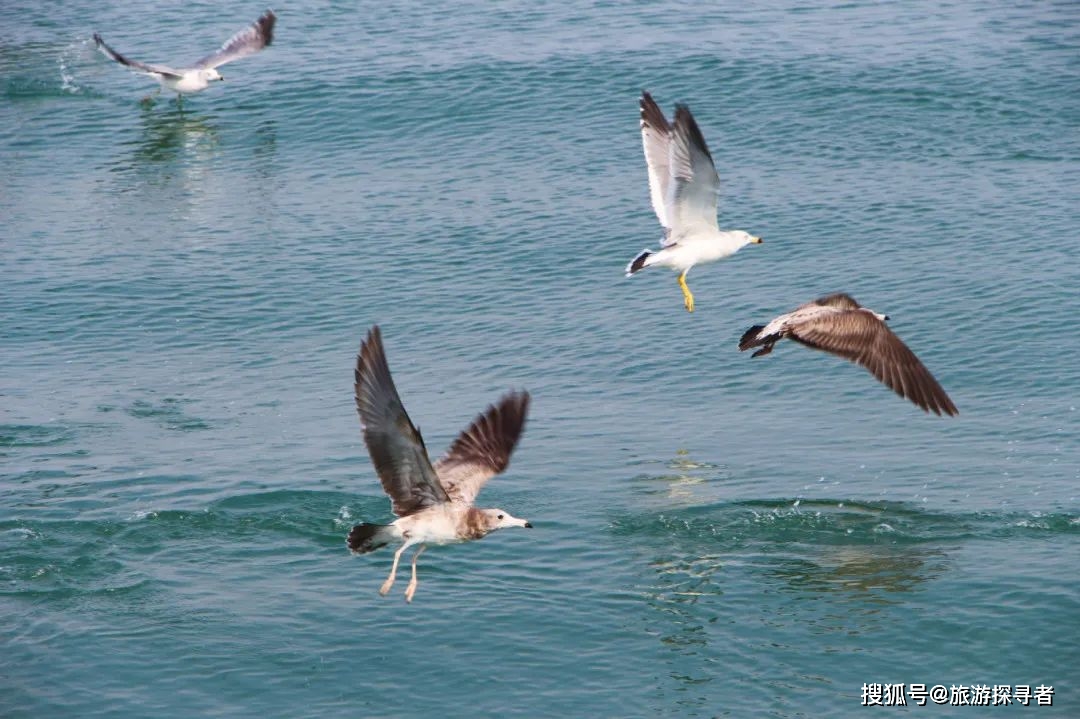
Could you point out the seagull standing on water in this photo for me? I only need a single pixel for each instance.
(684, 186)
(838, 324)
(434, 503)
(199, 76)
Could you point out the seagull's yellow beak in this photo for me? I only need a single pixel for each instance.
(756, 240)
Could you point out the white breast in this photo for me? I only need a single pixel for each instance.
(192, 81)
(436, 525)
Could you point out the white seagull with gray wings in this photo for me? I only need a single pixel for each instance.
(684, 188)
(198, 77)
(434, 503)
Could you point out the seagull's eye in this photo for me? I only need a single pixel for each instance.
(500, 516)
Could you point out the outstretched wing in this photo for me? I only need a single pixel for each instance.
(483, 450)
(696, 185)
(861, 337)
(134, 65)
(246, 42)
(396, 447)
(655, 138)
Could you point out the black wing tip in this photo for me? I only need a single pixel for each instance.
(683, 115)
(651, 114)
(266, 26)
(685, 118)
(510, 412)
(100, 44)
(371, 353)
(917, 385)
(938, 405)
(372, 343)
(938, 402)
(506, 422)
(518, 400)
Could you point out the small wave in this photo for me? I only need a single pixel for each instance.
(838, 522)
(22, 533)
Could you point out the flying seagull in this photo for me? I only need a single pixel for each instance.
(840, 325)
(684, 186)
(434, 503)
(199, 76)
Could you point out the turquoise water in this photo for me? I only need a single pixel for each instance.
(182, 296)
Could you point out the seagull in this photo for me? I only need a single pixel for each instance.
(199, 76)
(838, 324)
(434, 503)
(684, 186)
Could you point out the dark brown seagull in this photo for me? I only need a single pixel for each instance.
(840, 325)
(434, 503)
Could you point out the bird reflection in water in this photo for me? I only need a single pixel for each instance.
(683, 479)
(176, 135)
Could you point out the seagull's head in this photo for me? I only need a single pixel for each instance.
(746, 238)
(499, 519)
(211, 75)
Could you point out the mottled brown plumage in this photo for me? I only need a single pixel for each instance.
(841, 326)
(433, 503)
(397, 450)
(483, 449)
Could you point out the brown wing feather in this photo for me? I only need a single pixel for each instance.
(864, 339)
(396, 447)
(483, 450)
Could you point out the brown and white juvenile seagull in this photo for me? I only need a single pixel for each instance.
(840, 325)
(199, 76)
(434, 503)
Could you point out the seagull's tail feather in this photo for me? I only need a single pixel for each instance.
(639, 262)
(753, 338)
(750, 338)
(368, 537)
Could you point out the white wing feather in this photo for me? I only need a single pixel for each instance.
(695, 186)
(246, 42)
